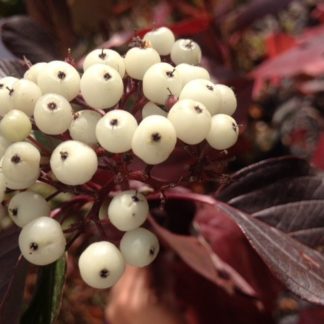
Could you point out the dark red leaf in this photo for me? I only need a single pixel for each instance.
(24, 37)
(54, 16)
(277, 43)
(280, 192)
(199, 256)
(263, 173)
(299, 267)
(318, 155)
(255, 10)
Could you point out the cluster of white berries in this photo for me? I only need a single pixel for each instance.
(181, 104)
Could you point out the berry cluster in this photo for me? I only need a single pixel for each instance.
(97, 122)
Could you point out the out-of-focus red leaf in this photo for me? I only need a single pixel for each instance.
(23, 37)
(277, 43)
(188, 27)
(12, 276)
(312, 315)
(254, 10)
(199, 256)
(318, 156)
(311, 87)
(305, 58)
(54, 16)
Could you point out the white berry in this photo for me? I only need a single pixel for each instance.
(53, 114)
(160, 81)
(83, 126)
(185, 51)
(161, 39)
(73, 162)
(105, 56)
(138, 60)
(115, 131)
(128, 210)
(101, 86)
(61, 78)
(32, 73)
(191, 120)
(154, 139)
(139, 247)
(223, 132)
(228, 99)
(42, 241)
(190, 72)
(26, 206)
(15, 125)
(150, 108)
(101, 265)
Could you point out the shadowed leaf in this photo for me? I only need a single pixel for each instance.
(15, 68)
(46, 303)
(12, 276)
(299, 267)
(23, 37)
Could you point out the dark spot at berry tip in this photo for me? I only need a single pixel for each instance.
(1, 85)
(198, 109)
(170, 74)
(209, 87)
(52, 105)
(114, 122)
(61, 75)
(76, 115)
(107, 76)
(102, 55)
(156, 137)
(33, 246)
(14, 211)
(234, 127)
(15, 159)
(135, 198)
(11, 91)
(104, 273)
(152, 251)
(189, 44)
(64, 155)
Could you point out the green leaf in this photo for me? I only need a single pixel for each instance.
(46, 141)
(46, 303)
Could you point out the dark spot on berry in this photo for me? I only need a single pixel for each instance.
(152, 251)
(234, 127)
(61, 75)
(14, 211)
(104, 273)
(15, 159)
(135, 198)
(52, 105)
(209, 87)
(11, 91)
(170, 74)
(189, 44)
(64, 155)
(198, 109)
(114, 122)
(33, 246)
(76, 116)
(1, 85)
(156, 137)
(107, 76)
(137, 42)
(102, 55)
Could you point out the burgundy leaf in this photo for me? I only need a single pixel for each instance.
(280, 192)
(24, 37)
(263, 173)
(12, 275)
(294, 216)
(299, 267)
(15, 68)
(197, 253)
(255, 10)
